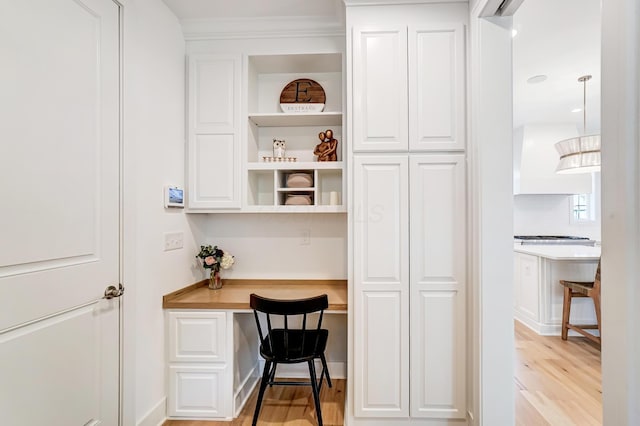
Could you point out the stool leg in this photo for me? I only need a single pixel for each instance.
(314, 388)
(566, 312)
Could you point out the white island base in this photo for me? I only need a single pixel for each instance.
(538, 293)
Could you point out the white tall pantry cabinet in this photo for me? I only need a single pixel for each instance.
(407, 124)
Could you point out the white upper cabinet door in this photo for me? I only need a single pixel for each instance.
(214, 132)
(437, 269)
(380, 105)
(381, 286)
(437, 87)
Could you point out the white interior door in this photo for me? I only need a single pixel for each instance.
(59, 250)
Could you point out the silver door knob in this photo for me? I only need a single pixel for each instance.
(112, 292)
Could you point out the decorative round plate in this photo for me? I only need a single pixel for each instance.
(302, 95)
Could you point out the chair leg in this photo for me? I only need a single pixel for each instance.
(272, 376)
(596, 304)
(325, 371)
(566, 312)
(314, 388)
(263, 385)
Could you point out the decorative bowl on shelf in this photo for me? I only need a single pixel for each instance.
(299, 180)
(298, 200)
(302, 95)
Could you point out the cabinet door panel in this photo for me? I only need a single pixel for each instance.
(213, 157)
(529, 286)
(437, 87)
(197, 391)
(216, 183)
(381, 350)
(438, 252)
(381, 381)
(214, 89)
(197, 336)
(380, 106)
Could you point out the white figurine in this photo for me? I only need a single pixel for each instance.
(279, 148)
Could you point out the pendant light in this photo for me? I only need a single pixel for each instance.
(580, 154)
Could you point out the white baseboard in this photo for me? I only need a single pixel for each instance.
(548, 329)
(156, 416)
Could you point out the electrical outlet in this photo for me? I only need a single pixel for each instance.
(173, 240)
(305, 237)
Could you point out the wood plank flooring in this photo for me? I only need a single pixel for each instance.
(557, 382)
(286, 405)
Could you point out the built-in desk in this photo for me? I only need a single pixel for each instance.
(212, 343)
(235, 293)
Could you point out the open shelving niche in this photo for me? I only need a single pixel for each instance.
(266, 182)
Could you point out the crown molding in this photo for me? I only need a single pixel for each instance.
(244, 28)
(350, 3)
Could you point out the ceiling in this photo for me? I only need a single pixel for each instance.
(556, 38)
(559, 39)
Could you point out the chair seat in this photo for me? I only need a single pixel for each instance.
(293, 346)
(582, 287)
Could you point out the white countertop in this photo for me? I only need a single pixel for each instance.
(560, 252)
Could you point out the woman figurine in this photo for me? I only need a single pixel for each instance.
(326, 150)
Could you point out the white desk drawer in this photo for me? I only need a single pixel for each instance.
(197, 336)
(198, 391)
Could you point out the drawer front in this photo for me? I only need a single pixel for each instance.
(197, 336)
(198, 391)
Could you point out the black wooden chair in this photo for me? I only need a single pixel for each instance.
(292, 343)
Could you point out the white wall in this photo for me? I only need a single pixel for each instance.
(491, 312)
(272, 245)
(550, 215)
(153, 157)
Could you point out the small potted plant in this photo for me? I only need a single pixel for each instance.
(215, 258)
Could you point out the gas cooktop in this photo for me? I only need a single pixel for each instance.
(553, 239)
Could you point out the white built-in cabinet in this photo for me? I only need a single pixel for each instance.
(212, 363)
(409, 203)
(198, 368)
(409, 74)
(234, 115)
(266, 181)
(214, 132)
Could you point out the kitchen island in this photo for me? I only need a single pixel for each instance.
(538, 293)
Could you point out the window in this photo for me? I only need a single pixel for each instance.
(582, 208)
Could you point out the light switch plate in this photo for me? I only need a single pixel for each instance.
(173, 240)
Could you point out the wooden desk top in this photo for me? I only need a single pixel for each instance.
(234, 294)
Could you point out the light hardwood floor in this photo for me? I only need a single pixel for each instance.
(557, 383)
(287, 405)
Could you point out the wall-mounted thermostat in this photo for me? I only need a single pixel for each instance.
(173, 196)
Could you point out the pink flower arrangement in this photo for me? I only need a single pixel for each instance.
(215, 258)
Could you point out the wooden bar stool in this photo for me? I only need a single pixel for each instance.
(581, 289)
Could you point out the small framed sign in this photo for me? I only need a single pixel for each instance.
(302, 95)
(173, 197)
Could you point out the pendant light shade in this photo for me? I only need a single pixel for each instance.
(581, 154)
